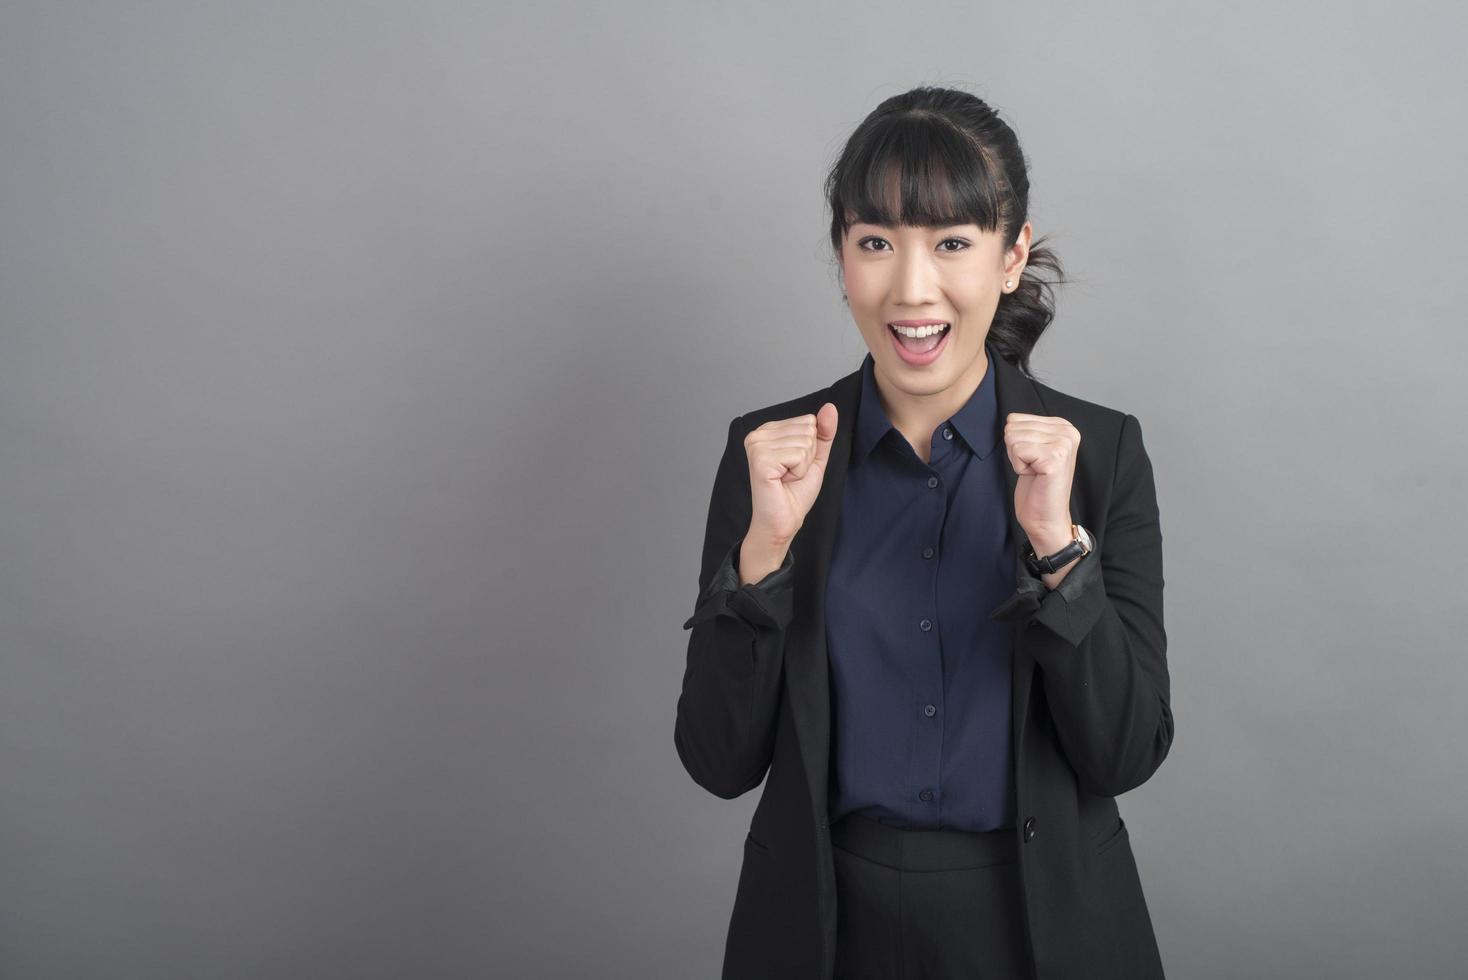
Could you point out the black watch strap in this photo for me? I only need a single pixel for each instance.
(1055, 562)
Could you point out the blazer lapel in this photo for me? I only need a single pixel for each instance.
(806, 665)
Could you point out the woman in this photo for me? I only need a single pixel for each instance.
(930, 607)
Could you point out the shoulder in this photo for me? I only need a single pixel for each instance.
(1111, 437)
(1079, 410)
(807, 404)
(1102, 424)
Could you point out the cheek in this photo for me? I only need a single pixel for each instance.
(977, 298)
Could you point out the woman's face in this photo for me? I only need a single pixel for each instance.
(954, 274)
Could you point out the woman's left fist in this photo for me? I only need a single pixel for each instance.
(1042, 449)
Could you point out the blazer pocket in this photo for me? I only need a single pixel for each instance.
(756, 845)
(1108, 840)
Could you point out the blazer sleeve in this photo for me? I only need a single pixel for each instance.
(725, 726)
(1099, 641)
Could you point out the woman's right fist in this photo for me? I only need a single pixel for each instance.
(787, 463)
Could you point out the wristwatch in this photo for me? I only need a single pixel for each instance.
(1079, 546)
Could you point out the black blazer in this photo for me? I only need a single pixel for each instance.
(1092, 717)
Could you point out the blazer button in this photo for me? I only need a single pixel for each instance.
(925, 795)
(1029, 830)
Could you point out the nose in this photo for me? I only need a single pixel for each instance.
(916, 280)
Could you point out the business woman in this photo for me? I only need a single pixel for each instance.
(929, 615)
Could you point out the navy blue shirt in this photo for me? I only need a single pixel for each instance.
(920, 673)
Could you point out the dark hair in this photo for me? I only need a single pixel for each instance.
(939, 156)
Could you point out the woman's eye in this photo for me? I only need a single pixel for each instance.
(865, 242)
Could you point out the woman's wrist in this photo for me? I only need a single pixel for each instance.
(758, 558)
(1047, 541)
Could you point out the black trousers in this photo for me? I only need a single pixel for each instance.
(927, 904)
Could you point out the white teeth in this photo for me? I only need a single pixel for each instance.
(916, 332)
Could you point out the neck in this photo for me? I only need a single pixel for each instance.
(916, 416)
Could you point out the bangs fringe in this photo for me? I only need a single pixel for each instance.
(921, 172)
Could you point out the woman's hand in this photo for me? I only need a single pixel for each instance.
(1042, 449)
(787, 464)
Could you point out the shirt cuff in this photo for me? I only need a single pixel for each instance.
(1069, 610)
(768, 603)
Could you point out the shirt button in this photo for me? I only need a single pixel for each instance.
(932, 481)
(927, 552)
(1029, 830)
(947, 432)
(925, 795)
(929, 710)
(925, 625)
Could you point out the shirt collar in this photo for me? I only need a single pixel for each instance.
(977, 422)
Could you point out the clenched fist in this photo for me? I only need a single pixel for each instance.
(1042, 450)
(787, 463)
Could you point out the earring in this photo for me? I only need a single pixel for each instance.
(1008, 283)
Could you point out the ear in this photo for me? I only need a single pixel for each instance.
(1019, 252)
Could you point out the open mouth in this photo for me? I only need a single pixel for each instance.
(920, 350)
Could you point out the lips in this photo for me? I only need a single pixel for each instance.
(915, 359)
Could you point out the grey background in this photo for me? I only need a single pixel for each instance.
(363, 373)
